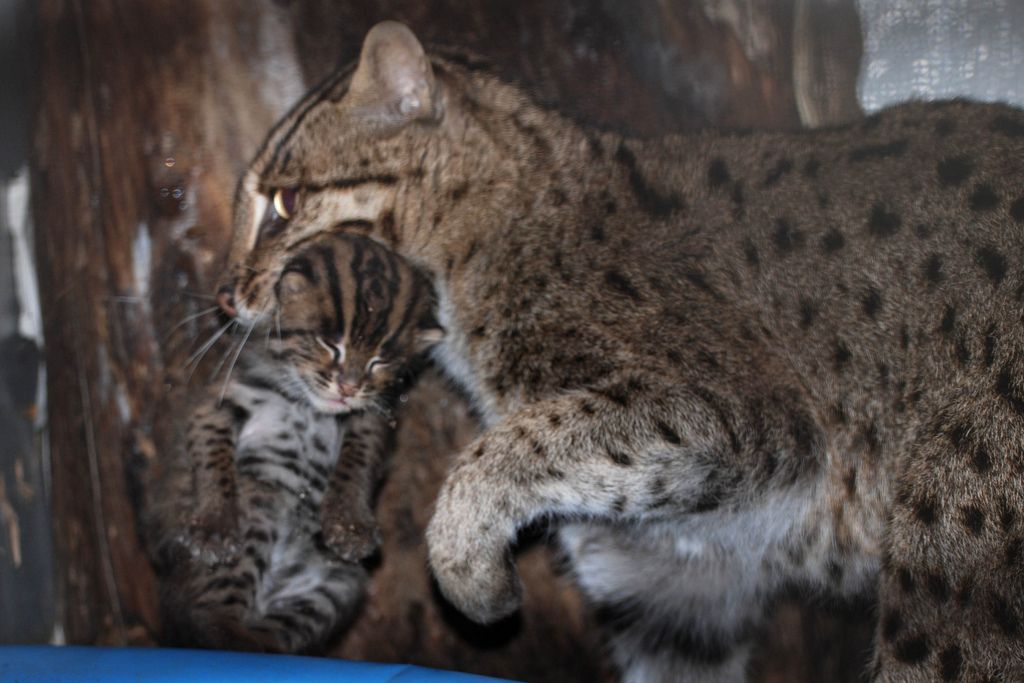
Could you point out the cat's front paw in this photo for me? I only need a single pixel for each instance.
(471, 559)
(351, 538)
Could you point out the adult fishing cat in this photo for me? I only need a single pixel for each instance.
(725, 363)
(260, 527)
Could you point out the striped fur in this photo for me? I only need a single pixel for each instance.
(259, 527)
(723, 364)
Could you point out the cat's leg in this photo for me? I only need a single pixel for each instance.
(952, 582)
(674, 607)
(210, 448)
(635, 450)
(349, 527)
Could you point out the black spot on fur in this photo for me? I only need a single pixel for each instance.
(750, 253)
(621, 284)
(990, 346)
(912, 650)
(954, 170)
(892, 624)
(737, 198)
(842, 355)
(963, 354)
(1017, 210)
(925, 511)
(786, 239)
(1007, 516)
(811, 168)
(835, 572)
(951, 662)
(948, 323)
(850, 482)
(1008, 126)
(974, 519)
(1012, 552)
(807, 313)
(781, 168)
(883, 223)
(945, 127)
(981, 461)
(882, 151)
(993, 263)
(1004, 615)
(872, 303)
(668, 434)
(700, 281)
(619, 458)
(932, 269)
(937, 586)
(957, 433)
(718, 173)
(832, 241)
(649, 199)
(1005, 388)
(616, 393)
(983, 198)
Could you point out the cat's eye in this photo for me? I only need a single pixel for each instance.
(375, 364)
(284, 202)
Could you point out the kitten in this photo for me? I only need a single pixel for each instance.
(724, 363)
(261, 474)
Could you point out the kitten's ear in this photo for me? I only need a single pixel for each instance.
(428, 333)
(393, 84)
(428, 337)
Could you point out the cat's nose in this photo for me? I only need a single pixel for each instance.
(226, 301)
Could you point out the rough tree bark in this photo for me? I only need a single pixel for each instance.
(150, 111)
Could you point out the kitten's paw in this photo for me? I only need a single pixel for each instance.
(351, 539)
(472, 562)
(213, 537)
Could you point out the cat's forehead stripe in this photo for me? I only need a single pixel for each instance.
(319, 94)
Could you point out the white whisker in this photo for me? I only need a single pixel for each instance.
(198, 355)
(234, 360)
(189, 318)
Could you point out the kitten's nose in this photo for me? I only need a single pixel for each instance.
(226, 301)
(347, 390)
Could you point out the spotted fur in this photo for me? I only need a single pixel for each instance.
(262, 525)
(724, 363)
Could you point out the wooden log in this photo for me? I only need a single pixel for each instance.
(149, 111)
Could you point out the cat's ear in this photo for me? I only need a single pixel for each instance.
(393, 84)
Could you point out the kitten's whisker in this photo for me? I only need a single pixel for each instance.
(198, 356)
(238, 352)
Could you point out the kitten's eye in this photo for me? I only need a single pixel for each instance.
(284, 202)
(375, 364)
(335, 351)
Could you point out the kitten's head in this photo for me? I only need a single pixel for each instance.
(375, 148)
(348, 316)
